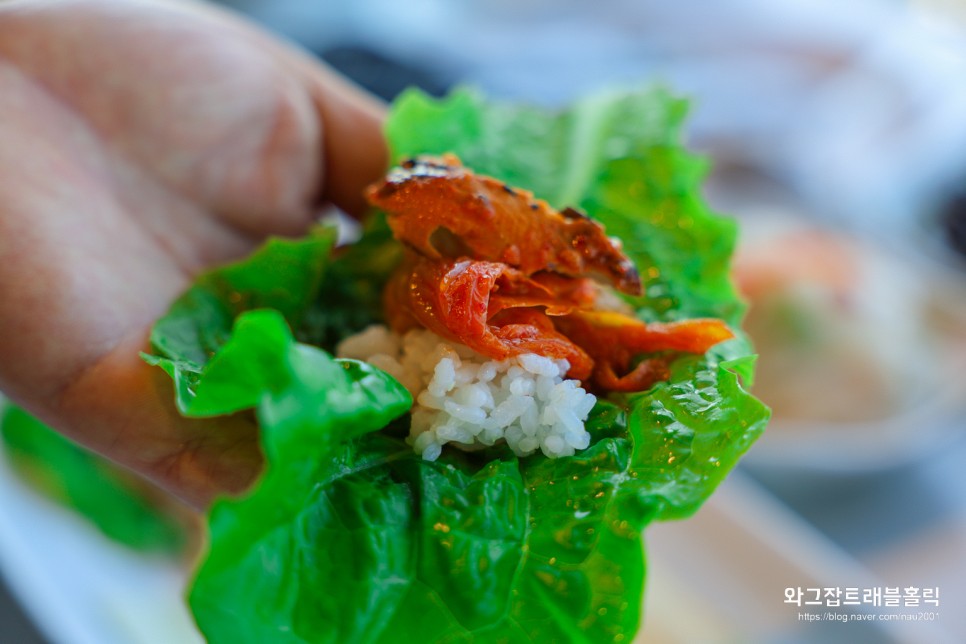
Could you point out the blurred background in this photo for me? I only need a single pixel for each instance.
(837, 133)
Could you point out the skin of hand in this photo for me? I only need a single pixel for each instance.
(142, 141)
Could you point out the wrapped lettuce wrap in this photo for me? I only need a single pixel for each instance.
(349, 535)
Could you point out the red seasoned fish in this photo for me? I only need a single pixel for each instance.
(490, 307)
(493, 268)
(442, 209)
(613, 340)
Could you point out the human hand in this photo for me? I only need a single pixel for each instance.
(141, 142)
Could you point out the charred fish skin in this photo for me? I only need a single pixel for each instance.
(495, 222)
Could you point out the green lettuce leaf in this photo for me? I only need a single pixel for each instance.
(318, 550)
(116, 502)
(350, 296)
(284, 275)
(349, 536)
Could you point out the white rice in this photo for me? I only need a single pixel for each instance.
(467, 399)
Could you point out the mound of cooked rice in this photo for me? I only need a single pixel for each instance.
(467, 399)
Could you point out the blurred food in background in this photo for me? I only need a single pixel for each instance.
(860, 348)
(841, 328)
